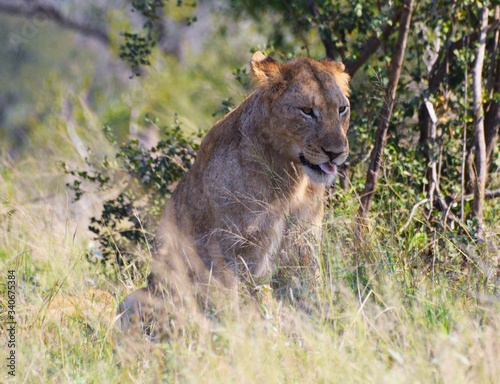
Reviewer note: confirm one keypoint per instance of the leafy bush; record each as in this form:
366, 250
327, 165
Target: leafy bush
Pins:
137, 47
146, 178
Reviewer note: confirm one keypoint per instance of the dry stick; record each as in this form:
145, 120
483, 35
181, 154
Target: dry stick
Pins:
386, 112
480, 156
423, 201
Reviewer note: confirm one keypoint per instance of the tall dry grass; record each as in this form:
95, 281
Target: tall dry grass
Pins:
385, 311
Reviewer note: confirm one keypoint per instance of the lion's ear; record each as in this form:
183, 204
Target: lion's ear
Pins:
265, 69
332, 64
337, 69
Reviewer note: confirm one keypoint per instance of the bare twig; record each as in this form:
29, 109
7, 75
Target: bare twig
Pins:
412, 213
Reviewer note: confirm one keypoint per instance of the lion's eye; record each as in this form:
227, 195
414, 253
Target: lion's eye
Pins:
308, 111
342, 109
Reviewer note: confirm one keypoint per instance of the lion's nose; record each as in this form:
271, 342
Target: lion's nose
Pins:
332, 155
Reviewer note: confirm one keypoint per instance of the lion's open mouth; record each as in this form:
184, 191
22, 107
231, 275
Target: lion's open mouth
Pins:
328, 167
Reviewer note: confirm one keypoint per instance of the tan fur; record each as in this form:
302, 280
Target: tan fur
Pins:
230, 218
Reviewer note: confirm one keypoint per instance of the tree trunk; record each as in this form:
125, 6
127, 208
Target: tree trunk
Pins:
492, 118
491, 114
386, 112
477, 92
438, 72
492, 110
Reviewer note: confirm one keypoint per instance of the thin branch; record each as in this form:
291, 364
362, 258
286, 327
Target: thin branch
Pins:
386, 111
412, 213
487, 195
446, 208
372, 44
34, 8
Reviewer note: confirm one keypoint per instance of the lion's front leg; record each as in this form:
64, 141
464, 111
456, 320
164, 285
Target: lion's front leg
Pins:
298, 267
300, 245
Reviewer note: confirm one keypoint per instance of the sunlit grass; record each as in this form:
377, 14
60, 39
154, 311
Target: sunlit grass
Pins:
381, 311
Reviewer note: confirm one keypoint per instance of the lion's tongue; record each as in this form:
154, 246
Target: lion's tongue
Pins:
329, 168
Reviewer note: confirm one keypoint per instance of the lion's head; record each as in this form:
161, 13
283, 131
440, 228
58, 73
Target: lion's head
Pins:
309, 111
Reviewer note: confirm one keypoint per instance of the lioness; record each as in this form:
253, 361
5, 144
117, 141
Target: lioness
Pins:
260, 171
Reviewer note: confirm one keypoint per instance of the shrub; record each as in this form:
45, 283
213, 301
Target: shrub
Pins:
146, 178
